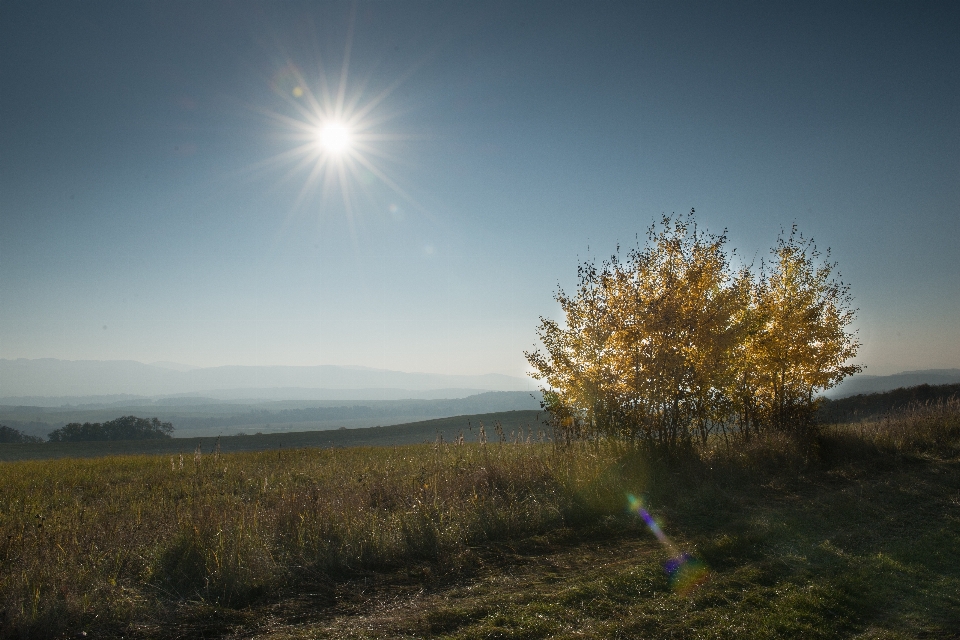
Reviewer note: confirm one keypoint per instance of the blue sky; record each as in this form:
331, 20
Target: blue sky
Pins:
147, 210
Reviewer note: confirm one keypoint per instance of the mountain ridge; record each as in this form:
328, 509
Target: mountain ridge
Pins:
76, 378
866, 383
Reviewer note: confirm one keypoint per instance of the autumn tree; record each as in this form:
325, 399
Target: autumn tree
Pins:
802, 344
581, 384
643, 352
669, 344
676, 311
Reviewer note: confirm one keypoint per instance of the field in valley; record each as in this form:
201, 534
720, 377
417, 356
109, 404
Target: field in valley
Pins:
856, 534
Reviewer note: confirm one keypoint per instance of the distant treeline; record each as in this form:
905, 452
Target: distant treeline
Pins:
10, 435
871, 405
34, 428
125, 428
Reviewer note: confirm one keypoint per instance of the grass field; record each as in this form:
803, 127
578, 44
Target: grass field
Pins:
856, 536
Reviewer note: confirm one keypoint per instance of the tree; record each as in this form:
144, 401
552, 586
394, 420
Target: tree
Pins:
125, 428
577, 365
678, 310
9, 435
643, 354
671, 344
802, 343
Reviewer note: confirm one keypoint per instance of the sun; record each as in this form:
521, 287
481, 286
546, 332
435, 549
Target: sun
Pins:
334, 138
337, 137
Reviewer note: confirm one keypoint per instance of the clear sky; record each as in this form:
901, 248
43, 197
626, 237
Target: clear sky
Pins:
161, 199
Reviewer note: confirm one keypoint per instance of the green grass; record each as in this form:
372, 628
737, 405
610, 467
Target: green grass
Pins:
860, 551
857, 537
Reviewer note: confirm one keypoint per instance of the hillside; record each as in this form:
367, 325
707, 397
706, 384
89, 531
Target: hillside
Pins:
871, 405
865, 383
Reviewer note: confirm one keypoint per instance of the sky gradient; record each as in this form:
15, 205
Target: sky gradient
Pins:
151, 207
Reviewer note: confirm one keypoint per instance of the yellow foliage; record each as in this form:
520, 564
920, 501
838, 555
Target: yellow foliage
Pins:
802, 344
670, 345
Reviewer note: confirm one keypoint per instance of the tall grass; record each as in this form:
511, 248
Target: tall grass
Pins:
928, 427
107, 541
113, 543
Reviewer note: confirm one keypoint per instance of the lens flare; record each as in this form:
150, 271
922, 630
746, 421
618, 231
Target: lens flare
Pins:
686, 573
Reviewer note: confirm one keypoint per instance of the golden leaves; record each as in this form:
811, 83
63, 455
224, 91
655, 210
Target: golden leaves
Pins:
670, 344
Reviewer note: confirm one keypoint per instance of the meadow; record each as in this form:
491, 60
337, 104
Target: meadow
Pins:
855, 533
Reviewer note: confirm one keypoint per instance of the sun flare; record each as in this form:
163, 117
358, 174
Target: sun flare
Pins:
337, 135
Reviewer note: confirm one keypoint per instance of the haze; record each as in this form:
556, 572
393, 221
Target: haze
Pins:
171, 189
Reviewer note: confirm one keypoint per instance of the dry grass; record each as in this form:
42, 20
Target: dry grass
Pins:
103, 542
919, 427
141, 545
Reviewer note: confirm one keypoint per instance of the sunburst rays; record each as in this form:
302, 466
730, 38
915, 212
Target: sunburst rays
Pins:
336, 132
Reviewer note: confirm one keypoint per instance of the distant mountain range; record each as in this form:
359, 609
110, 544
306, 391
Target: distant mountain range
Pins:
876, 384
24, 379
52, 382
